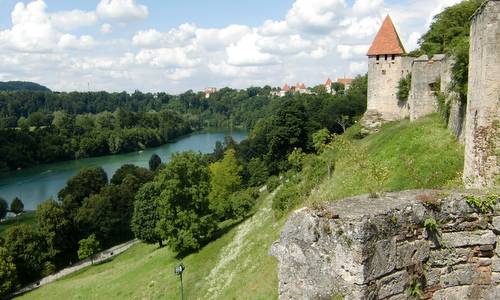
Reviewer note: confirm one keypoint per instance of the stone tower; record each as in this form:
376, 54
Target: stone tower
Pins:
387, 64
482, 133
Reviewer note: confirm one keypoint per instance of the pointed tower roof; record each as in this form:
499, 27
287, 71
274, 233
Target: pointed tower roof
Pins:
387, 40
328, 82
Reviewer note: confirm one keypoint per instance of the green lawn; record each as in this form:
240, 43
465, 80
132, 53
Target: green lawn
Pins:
235, 266
27, 217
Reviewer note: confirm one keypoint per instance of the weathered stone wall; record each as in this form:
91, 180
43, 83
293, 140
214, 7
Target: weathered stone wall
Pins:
456, 120
425, 74
482, 124
364, 248
383, 80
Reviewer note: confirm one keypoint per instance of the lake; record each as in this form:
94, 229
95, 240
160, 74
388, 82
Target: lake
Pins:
36, 184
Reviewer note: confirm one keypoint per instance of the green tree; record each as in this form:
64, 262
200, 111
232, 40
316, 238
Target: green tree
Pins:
8, 274
296, 158
225, 179
320, 138
88, 247
154, 162
96, 215
28, 249
338, 87
145, 215
17, 206
55, 228
258, 172
4, 207
23, 124
242, 203
38, 119
186, 222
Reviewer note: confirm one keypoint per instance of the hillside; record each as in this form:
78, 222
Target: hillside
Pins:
22, 86
237, 265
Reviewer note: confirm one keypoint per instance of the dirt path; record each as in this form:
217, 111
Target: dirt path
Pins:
101, 256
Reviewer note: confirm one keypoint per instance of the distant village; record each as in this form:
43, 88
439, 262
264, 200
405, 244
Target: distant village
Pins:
300, 88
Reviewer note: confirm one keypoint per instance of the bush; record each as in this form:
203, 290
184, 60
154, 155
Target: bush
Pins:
272, 183
242, 203
17, 206
404, 88
286, 198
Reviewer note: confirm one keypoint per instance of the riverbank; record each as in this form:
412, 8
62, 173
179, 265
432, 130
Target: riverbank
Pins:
36, 184
27, 217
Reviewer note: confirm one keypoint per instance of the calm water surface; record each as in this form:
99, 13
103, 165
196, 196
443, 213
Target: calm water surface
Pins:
33, 185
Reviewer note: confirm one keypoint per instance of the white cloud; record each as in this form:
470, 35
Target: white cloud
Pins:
358, 67
167, 58
289, 44
106, 28
180, 74
350, 51
246, 53
153, 38
412, 41
315, 16
121, 10
69, 41
68, 20
362, 7
212, 39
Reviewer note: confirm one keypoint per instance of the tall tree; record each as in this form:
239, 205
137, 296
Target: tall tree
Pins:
4, 207
16, 206
145, 215
225, 179
88, 247
186, 221
154, 162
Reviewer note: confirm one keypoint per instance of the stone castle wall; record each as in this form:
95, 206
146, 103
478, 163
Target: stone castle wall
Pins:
482, 136
363, 248
425, 74
383, 80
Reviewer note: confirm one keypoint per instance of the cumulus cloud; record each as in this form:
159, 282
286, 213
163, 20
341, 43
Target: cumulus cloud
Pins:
316, 39
68, 20
106, 28
121, 10
246, 53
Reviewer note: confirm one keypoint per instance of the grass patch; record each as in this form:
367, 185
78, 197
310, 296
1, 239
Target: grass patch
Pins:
235, 266
409, 155
27, 217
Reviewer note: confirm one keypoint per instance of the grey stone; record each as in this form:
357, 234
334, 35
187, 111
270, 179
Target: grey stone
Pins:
392, 284
433, 276
453, 293
495, 264
468, 238
497, 249
496, 223
408, 254
458, 275
449, 256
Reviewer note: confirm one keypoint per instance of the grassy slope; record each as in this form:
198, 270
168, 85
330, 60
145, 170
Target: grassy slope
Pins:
237, 266
421, 154
28, 217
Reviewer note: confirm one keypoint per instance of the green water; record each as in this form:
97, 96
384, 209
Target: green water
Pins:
36, 184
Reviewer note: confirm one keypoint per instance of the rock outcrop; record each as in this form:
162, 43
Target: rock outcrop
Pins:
435, 244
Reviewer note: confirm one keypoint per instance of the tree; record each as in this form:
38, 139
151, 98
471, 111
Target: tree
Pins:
96, 216
142, 174
87, 182
320, 139
3, 208
23, 124
16, 206
338, 87
186, 221
38, 119
241, 203
55, 228
225, 179
154, 162
258, 172
343, 121
28, 249
88, 247
145, 215
8, 274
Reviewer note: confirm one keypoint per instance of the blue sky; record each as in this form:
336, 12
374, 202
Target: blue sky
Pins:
174, 46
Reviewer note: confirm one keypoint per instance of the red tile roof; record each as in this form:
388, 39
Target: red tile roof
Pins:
286, 88
300, 86
328, 82
387, 40
345, 81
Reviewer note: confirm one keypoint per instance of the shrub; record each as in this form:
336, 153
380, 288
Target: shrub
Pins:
286, 198
404, 88
431, 224
242, 203
272, 183
17, 206
483, 204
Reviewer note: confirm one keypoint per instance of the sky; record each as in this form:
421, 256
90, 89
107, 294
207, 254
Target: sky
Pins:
173, 46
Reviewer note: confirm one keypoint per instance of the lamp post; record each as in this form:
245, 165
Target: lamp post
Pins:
178, 271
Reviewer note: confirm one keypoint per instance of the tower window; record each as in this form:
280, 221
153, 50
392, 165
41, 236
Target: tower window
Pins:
386, 57
393, 57
378, 57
